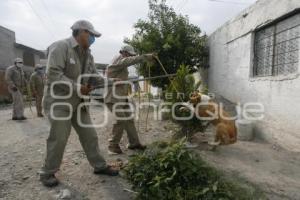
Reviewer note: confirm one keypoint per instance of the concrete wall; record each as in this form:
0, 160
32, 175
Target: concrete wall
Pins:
231, 55
7, 39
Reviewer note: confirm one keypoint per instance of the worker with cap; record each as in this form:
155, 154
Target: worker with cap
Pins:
67, 60
117, 101
37, 80
15, 79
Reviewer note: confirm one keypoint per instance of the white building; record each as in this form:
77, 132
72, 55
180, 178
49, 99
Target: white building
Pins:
255, 58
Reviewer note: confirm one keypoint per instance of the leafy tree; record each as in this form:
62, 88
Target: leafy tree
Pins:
173, 37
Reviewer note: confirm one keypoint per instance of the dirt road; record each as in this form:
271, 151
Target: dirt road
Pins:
22, 147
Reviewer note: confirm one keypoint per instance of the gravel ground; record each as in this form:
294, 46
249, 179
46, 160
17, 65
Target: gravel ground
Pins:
22, 151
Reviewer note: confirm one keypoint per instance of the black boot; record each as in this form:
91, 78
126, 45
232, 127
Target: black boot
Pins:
49, 180
114, 149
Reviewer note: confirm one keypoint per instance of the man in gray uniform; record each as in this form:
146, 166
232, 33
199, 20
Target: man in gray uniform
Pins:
37, 80
119, 69
15, 78
67, 60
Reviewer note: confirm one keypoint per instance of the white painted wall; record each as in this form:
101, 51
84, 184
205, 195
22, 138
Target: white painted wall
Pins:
231, 51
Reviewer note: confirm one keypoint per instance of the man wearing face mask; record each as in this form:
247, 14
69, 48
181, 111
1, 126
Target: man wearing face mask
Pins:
15, 78
119, 69
67, 60
37, 87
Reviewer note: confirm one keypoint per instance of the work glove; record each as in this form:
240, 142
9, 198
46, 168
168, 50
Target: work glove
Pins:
150, 56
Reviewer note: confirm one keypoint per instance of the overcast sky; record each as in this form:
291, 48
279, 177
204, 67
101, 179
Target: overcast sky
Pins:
38, 23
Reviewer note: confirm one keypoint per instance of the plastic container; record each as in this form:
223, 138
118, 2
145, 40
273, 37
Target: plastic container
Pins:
244, 129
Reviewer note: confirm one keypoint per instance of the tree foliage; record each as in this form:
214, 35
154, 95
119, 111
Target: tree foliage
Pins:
173, 37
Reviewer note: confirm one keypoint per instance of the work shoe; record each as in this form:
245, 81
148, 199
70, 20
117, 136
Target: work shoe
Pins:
40, 115
19, 118
49, 180
136, 147
22, 118
114, 149
107, 171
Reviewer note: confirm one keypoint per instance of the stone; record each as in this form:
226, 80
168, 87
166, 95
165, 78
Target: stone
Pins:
65, 194
103, 181
25, 177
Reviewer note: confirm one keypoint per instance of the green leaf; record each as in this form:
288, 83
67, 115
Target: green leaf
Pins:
215, 186
205, 190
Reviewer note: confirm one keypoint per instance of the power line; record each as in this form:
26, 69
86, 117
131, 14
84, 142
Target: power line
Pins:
184, 2
40, 18
230, 2
48, 13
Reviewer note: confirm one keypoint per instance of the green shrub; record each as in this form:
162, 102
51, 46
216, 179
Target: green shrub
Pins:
171, 172
183, 85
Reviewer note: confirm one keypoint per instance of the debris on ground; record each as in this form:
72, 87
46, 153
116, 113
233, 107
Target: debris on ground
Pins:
171, 172
64, 194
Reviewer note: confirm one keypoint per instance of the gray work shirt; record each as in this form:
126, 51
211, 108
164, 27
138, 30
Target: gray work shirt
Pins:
15, 77
66, 62
119, 69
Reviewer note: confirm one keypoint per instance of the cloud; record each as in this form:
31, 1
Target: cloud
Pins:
113, 18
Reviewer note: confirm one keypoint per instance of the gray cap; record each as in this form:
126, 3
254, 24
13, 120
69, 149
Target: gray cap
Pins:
129, 49
18, 60
85, 25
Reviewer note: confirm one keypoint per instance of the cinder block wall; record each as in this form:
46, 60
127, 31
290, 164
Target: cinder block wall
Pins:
229, 75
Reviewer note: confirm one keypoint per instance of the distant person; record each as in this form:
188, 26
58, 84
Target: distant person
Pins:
119, 69
37, 80
67, 60
15, 78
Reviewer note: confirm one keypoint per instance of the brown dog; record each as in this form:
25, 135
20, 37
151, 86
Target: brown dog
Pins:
226, 132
